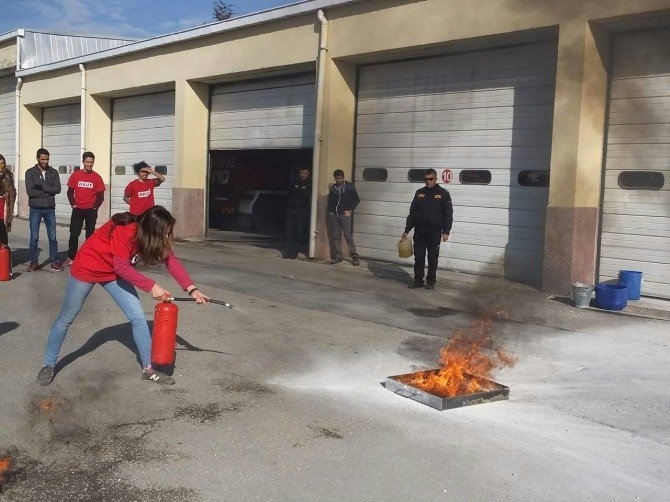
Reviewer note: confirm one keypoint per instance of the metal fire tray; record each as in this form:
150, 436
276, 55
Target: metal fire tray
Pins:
441, 403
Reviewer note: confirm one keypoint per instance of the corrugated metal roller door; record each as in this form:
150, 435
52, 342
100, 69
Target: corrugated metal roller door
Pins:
489, 112
8, 119
61, 135
142, 129
273, 113
636, 203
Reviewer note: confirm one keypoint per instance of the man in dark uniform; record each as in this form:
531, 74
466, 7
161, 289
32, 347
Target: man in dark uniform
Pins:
431, 216
297, 214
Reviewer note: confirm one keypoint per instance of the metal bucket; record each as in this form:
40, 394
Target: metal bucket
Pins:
581, 294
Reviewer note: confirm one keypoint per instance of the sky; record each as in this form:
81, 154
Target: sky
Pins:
124, 18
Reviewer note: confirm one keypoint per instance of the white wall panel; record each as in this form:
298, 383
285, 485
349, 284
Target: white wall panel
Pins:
8, 119
488, 110
273, 113
61, 135
142, 129
635, 231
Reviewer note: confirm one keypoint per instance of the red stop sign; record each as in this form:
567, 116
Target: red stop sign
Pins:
447, 175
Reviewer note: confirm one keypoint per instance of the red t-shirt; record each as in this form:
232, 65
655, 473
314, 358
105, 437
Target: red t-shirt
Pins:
95, 258
105, 256
86, 187
141, 195
2, 208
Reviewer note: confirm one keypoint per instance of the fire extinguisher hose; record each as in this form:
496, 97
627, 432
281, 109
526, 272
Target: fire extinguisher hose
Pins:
216, 302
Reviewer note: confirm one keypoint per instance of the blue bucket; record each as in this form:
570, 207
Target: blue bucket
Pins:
633, 281
611, 296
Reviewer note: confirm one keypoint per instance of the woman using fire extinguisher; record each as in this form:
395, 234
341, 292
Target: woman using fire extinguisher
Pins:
107, 258
7, 198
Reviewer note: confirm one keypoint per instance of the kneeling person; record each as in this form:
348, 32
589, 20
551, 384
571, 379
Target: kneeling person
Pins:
86, 192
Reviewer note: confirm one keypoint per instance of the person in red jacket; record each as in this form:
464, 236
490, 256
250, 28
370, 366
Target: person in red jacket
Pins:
86, 192
7, 198
107, 259
139, 193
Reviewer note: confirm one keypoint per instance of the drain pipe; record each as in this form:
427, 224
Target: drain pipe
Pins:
17, 142
82, 120
316, 164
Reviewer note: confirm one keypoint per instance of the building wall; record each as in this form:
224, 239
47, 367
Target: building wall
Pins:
383, 30
8, 55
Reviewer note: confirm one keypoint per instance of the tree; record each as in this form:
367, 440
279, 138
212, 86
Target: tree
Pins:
222, 10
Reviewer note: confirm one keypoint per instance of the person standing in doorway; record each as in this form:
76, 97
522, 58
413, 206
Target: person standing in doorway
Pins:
42, 186
342, 200
7, 198
297, 214
431, 217
86, 192
139, 193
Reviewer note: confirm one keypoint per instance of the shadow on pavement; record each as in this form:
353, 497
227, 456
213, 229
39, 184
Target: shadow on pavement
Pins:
192, 348
121, 333
435, 312
6, 327
390, 271
20, 256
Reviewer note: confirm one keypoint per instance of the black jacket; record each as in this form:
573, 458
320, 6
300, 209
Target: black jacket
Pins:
343, 198
300, 194
431, 210
42, 189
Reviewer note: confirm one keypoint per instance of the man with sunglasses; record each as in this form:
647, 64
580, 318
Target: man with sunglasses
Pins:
431, 216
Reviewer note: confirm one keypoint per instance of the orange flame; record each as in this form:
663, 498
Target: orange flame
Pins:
5, 465
468, 360
48, 406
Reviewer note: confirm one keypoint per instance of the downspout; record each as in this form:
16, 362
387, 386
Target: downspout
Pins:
316, 164
82, 120
17, 142
17, 120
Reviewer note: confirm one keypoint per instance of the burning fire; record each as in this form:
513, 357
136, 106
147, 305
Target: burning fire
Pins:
48, 406
469, 357
5, 466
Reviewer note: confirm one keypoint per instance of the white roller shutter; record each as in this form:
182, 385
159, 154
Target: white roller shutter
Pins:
61, 135
142, 129
274, 113
8, 119
489, 110
636, 222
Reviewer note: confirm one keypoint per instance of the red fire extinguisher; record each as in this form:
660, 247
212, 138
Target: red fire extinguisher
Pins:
164, 338
5, 263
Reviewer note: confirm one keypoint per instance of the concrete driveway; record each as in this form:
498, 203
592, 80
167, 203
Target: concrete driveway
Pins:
281, 399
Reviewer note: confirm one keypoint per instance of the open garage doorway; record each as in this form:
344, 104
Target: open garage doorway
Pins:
248, 193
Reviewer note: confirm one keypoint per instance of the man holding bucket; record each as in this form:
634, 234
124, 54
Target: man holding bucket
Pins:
431, 216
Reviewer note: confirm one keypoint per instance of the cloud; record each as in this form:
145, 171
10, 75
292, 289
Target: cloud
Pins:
97, 17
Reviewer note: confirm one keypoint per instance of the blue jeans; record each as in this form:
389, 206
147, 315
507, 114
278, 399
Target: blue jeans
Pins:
49, 216
124, 295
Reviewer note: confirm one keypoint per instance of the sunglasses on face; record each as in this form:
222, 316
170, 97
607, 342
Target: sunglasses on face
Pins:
429, 179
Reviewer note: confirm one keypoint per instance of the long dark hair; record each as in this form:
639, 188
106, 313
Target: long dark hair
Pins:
6, 169
154, 236
5, 174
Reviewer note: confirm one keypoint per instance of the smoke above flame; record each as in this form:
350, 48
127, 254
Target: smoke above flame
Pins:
468, 361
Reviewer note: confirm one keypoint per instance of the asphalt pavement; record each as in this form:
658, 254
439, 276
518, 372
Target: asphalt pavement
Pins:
282, 397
